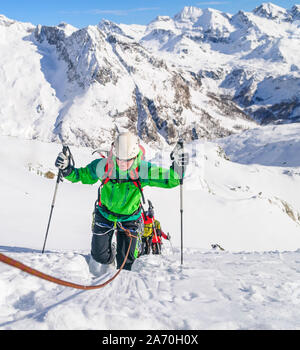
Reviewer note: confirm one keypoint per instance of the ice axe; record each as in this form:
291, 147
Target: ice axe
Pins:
66, 151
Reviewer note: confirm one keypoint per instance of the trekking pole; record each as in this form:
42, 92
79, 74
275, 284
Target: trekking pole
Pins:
181, 217
180, 144
171, 245
59, 177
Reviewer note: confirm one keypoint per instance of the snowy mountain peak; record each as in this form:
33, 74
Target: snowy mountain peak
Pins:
295, 11
188, 13
110, 27
4, 21
270, 11
162, 19
213, 19
164, 23
68, 29
18, 26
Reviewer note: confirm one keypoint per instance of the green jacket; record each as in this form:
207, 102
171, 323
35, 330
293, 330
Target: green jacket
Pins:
124, 198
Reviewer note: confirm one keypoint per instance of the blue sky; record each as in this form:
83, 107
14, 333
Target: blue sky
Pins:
81, 13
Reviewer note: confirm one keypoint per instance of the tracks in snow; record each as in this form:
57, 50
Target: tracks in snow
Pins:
211, 290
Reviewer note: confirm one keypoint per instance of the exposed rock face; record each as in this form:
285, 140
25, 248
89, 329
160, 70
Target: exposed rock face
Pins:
150, 97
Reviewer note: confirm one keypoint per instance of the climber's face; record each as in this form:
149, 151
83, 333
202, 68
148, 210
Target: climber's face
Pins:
124, 164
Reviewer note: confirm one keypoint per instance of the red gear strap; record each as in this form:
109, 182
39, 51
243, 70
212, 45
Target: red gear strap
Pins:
134, 174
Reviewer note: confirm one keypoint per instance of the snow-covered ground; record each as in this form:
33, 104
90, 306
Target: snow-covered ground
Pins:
251, 210
211, 291
271, 145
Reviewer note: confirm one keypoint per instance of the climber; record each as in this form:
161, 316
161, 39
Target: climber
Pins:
148, 233
156, 243
123, 175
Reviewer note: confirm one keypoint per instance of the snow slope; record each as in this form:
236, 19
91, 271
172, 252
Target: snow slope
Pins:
251, 210
276, 145
212, 291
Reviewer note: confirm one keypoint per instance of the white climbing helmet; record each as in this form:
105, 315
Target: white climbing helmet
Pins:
126, 146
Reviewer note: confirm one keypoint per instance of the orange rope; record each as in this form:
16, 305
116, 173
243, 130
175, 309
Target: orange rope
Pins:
12, 262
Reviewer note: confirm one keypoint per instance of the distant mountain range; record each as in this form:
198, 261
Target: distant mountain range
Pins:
201, 74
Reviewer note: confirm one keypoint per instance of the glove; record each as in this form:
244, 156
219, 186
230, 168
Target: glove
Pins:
180, 159
150, 213
168, 236
63, 163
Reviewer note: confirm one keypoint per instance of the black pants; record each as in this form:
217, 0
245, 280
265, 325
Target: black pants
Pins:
103, 231
156, 248
146, 245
